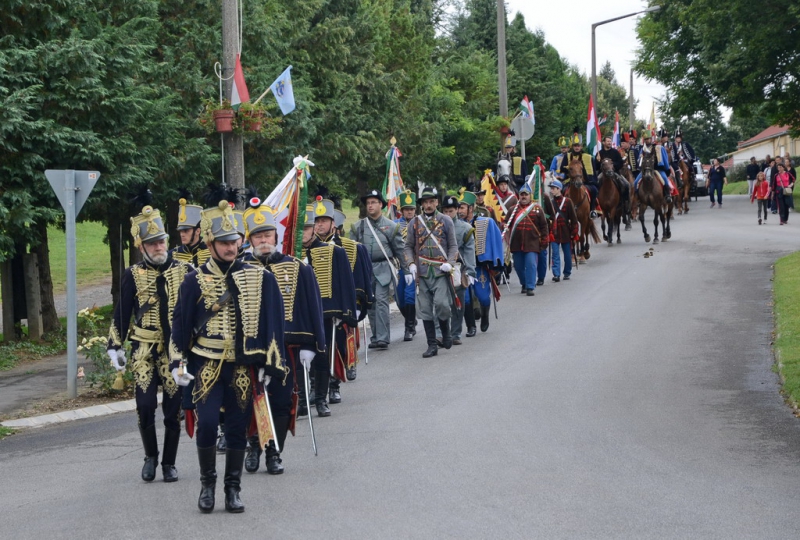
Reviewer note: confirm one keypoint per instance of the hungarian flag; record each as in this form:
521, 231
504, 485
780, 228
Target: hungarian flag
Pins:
288, 201
652, 123
239, 93
592, 130
393, 184
615, 136
526, 108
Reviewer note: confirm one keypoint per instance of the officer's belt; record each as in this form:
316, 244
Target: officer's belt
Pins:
432, 262
220, 349
143, 335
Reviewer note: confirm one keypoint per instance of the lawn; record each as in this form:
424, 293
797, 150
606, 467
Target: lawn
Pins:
735, 188
787, 324
93, 260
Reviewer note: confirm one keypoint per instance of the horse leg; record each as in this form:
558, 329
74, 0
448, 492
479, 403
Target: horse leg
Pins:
641, 220
603, 226
655, 225
667, 233
619, 226
610, 237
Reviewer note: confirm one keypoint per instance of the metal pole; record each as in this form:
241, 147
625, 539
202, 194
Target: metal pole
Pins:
594, 71
233, 151
501, 57
631, 112
72, 301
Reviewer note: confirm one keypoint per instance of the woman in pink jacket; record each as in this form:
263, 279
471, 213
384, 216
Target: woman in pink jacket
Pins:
784, 182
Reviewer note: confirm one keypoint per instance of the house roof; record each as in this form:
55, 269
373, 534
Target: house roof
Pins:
769, 133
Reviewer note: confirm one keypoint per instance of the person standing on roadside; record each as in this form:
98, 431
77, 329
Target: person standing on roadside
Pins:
784, 183
773, 174
752, 171
761, 192
716, 180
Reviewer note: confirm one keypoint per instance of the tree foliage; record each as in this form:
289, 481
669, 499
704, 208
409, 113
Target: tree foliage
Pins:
711, 53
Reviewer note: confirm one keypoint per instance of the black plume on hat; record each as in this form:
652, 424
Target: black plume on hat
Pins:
142, 197
184, 193
214, 194
252, 199
322, 191
233, 195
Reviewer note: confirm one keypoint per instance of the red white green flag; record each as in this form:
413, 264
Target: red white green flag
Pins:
592, 130
239, 93
393, 183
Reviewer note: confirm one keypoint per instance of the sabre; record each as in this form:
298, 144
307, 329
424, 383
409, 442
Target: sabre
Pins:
271, 421
308, 408
333, 342
366, 348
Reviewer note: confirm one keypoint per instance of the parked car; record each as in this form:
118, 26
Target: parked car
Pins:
698, 188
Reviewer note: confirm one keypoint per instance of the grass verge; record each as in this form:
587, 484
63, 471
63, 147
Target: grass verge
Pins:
5, 431
787, 324
92, 257
735, 188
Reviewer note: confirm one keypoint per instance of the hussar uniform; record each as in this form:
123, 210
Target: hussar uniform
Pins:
304, 337
661, 165
431, 251
558, 160
682, 152
189, 218
489, 261
148, 293
587, 169
228, 324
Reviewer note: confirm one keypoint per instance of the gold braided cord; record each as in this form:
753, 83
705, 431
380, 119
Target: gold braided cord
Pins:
182, 256
481, 226
322, 263
242, 385
351, 248
206, 379
174, 277
142, 367
286, 274
249, 282
113, 335
144, 279
167, 382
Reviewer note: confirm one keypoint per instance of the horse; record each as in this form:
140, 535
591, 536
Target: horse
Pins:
627, 174
686, 176
611, 202
580, 198
504, 168
651, 194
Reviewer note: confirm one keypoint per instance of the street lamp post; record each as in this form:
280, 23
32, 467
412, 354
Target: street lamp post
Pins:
594, 57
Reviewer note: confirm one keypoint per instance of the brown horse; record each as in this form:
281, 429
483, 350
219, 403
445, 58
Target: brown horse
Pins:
627, 174
687, 179
580, 198
651, 193
611, 201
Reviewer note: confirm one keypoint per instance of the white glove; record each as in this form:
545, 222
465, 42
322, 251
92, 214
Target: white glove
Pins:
446, 268
412, 269
306, 357
182, 380
358, 314
409, 280
117, 359
263, 377
471, 280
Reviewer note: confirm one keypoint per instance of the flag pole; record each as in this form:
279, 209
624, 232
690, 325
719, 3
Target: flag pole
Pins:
262, 95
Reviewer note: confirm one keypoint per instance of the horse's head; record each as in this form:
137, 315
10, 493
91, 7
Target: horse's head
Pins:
575, 169
607, 168
503, 168
648, 161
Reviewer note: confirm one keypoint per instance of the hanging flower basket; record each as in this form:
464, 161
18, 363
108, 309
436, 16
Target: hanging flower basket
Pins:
252, 120
223, 120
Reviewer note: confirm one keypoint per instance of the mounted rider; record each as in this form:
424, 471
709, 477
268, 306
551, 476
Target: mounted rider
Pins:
587, 166
629, 149
664, 135
558, 159
682, 151
661, 163
613, 154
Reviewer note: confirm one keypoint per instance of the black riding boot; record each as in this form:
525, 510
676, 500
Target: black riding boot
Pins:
469, 318
208, 478
335, 395
430, 335
321, 383
168, 470
150, 444
274, 461
253, 457
484, 318
447, 337
233, 476
411, 322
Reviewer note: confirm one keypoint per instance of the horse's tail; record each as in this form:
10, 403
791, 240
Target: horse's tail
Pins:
592, 230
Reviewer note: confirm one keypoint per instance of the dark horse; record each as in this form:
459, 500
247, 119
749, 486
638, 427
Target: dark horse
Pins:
611, 201
651, 193
580, 198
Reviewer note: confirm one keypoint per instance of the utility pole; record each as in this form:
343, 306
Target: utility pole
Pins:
501, 58
631, 113
232, 142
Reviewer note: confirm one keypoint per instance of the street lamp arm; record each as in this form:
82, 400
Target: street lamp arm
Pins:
648, 10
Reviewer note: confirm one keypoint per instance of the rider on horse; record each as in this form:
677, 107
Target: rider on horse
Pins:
670, 148
682, 151
613, 154
560, 159
661, 163
630, 152
587, 164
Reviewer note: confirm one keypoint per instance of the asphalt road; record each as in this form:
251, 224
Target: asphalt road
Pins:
634, 401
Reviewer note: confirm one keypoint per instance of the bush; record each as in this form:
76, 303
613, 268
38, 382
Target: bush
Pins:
94, 348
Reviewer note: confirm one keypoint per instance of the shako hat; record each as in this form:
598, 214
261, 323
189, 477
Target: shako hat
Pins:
188, 215
147, 227
217, 223
408, 199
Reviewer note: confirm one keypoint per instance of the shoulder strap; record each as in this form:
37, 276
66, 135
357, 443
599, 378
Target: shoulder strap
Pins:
435, 240
380, 245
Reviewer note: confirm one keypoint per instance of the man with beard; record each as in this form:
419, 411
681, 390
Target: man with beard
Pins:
228, 324
303, 332
148, 293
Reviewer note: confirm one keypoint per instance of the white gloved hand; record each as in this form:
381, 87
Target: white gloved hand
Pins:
117, 359
182, 380
412, 269
358, 314
409, 279
446, 268
263, 377
306, 357
471, 280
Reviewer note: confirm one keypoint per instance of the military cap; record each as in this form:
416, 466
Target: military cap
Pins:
563, 141
375, 194
147, 227
188, 215
323, 208
217, 223
408, 199
428, 193
466, 197
339, 218
451, 202
257, 219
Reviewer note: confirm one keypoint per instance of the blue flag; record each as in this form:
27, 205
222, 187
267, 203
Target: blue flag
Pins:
283, 92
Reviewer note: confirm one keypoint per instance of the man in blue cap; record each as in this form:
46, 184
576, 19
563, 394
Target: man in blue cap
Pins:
563, 231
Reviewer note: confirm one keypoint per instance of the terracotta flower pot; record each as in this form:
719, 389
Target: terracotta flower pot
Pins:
224, 120
251, 121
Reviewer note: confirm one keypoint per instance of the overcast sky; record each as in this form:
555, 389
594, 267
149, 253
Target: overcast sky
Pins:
568, 27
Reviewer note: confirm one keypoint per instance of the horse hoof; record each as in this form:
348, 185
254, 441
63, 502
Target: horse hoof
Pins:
655, 241
646, 238
610, 243
587, 255
619, 240
627, 227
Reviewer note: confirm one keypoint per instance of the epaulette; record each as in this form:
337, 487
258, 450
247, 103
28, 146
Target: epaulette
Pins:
322, 263
351, 248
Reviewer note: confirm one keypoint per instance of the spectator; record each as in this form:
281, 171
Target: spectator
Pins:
716, 179
767, 163
784, 184
761, 192
773, 173
752, 171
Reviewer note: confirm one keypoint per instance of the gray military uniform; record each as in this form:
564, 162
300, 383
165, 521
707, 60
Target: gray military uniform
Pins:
433, 298
390, 237
465, 237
